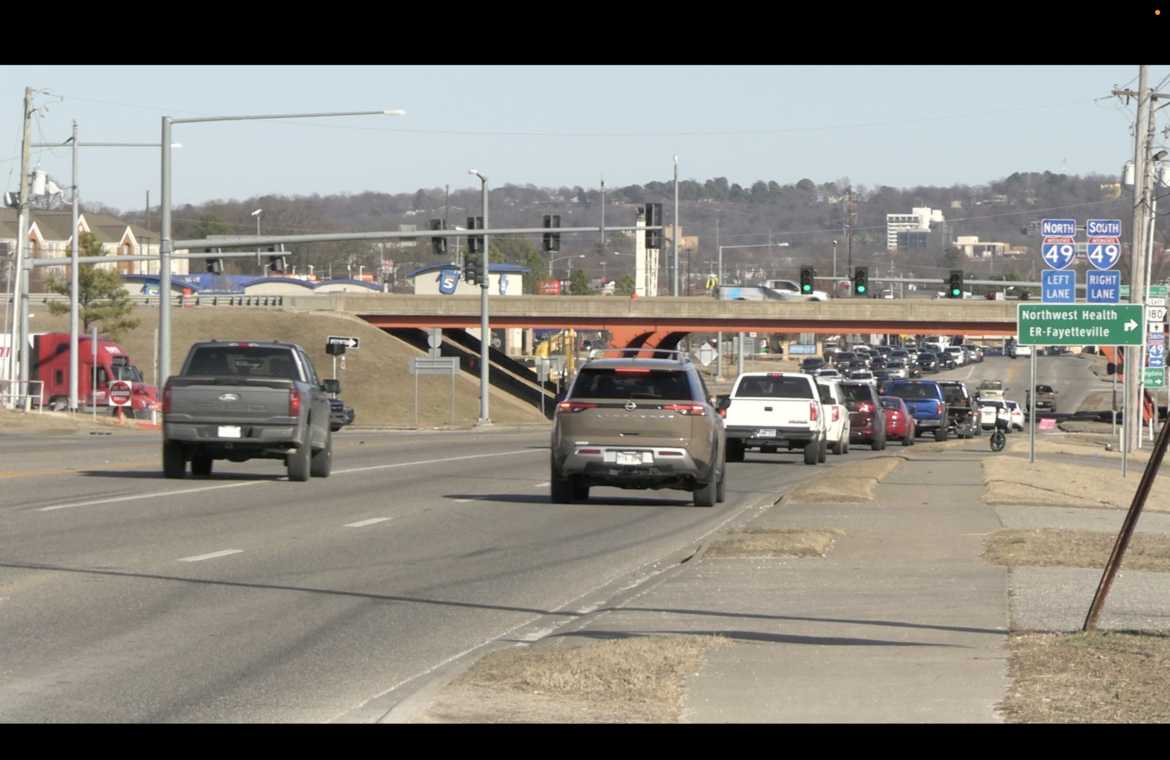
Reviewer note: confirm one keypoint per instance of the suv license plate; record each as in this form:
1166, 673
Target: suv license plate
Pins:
229, 431
629, 457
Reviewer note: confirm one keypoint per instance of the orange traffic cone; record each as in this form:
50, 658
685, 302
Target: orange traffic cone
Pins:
121, 416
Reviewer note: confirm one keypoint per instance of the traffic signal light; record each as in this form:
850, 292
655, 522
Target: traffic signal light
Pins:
552, 240
808, 277
474, 273
955, 284
475, 242
277, 264
214, 266
438, 244
991, 295
861, 281
653, 219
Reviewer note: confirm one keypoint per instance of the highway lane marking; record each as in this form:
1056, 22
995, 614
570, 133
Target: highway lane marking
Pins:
164, 494
371, 521
33, 473
542, 485
213, 555
154, 495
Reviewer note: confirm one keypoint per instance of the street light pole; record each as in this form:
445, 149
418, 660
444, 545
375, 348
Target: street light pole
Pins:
167, 239
719, 278
485, 336
674, 244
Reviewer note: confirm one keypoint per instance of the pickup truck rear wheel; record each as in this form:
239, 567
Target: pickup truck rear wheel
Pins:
823, 448
940, 435
174, 465
735, 450
812, 452
322, 463
299, 463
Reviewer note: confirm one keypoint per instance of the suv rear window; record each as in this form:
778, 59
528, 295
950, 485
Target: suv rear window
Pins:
626, 384
857, 392
775, 387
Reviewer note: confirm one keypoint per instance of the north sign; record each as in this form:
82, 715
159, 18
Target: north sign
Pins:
1058, 227
1080, 324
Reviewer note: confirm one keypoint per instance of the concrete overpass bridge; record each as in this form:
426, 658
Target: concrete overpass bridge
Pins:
662, 322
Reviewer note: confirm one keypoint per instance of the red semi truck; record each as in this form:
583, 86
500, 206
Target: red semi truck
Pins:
50, 364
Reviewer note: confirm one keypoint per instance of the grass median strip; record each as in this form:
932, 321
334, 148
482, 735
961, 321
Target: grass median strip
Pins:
1014, 480
1101, 677
1016, 547
773, 542
631, 680
848, 483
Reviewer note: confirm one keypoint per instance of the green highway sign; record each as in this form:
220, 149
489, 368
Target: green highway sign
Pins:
1154, 377
1080, 324
1157, 291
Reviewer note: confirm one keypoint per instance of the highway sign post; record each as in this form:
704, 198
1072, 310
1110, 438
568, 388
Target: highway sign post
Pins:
1079, 324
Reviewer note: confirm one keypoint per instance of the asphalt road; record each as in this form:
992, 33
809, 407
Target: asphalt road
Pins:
243, 597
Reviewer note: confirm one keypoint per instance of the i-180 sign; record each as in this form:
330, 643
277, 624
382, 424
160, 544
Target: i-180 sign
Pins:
1080, 324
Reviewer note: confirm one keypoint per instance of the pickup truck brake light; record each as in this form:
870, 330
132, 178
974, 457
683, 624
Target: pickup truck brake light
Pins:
294, 403
166, 405
836, 413
940, 409
812, 411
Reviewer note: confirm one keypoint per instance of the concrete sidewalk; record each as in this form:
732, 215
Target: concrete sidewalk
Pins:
901, 621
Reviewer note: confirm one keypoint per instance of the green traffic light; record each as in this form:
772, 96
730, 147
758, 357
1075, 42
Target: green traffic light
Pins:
860, 288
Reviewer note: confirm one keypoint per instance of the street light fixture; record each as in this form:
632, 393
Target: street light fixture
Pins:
167, 241
485, 336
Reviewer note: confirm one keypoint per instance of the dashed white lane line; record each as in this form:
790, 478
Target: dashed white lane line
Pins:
542, 485
371, 521
165, 494
213, 555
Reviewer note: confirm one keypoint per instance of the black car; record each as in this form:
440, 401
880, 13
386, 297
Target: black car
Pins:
812, 365
340, 415
927, 362
946, 360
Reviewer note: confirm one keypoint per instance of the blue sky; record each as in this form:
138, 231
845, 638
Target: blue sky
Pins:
564, 126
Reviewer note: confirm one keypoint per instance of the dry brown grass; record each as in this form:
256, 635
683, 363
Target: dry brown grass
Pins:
376, 381
634, 680
1014, 480
848, 483
1088, 678
773, 542
1014, 547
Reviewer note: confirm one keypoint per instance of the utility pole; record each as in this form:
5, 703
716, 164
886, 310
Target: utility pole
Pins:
674, 242
1141, 206
23, 267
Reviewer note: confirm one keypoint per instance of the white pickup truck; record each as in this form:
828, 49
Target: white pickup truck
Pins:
770, 410
771, 290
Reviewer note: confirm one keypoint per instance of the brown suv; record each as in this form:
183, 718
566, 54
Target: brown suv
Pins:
634, 422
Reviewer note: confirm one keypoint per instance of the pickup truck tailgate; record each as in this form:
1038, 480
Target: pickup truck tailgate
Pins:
229, 400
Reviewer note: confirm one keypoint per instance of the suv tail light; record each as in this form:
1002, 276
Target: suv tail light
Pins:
574, 406
166, 405
294, 403
687, 408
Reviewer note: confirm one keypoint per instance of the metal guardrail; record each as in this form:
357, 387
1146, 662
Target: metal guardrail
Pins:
12, 397
180, 300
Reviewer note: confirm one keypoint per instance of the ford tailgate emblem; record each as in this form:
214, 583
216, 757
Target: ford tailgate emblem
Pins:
631, 406
229, 397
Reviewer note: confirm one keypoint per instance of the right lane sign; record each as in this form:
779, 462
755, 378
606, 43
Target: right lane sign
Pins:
1080, 324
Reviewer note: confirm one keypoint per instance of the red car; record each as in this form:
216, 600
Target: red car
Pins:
899, 421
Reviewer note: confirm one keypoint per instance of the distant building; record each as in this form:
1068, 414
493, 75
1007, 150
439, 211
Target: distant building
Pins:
49, 237
973, 249
918, 230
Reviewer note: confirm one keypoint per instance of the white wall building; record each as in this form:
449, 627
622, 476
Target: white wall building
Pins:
918, 220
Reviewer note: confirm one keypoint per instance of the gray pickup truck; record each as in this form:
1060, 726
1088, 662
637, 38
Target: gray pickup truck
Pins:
241, 400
